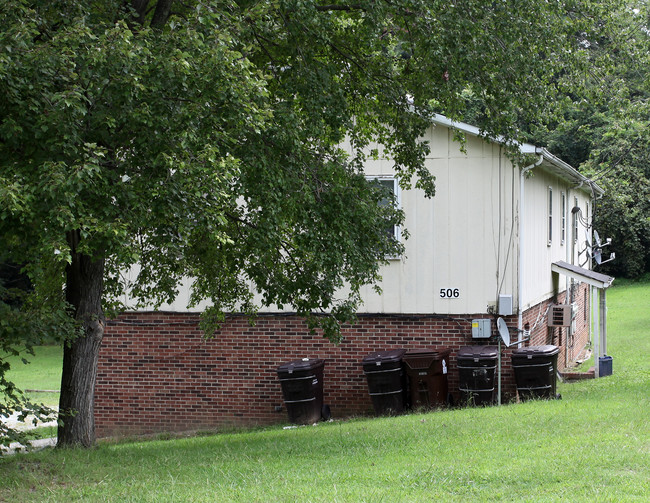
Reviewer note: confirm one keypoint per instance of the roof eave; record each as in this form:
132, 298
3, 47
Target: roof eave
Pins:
570, 173
557, 165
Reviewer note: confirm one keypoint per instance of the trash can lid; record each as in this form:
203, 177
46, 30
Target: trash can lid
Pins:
546, 350
303, 364
481, 352
436, 353
379, 357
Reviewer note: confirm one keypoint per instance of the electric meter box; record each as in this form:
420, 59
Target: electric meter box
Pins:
505, 305
481, 329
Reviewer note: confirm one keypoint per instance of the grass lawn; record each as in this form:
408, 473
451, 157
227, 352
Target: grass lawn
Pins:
43, 373
593, 445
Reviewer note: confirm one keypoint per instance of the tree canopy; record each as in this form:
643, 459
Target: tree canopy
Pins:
203, 139
604, 131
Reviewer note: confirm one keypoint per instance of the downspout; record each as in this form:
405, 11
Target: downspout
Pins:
520, 278
569, 282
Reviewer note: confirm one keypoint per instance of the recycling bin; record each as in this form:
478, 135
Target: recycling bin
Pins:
535, 371
302, 389
476, 370
604, 366
426, 372
386, 381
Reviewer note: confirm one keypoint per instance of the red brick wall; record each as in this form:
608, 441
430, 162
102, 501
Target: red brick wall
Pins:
156, 372
571, 345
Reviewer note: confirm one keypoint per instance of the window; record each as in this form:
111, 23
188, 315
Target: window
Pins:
391, 184
550, 215
563, 219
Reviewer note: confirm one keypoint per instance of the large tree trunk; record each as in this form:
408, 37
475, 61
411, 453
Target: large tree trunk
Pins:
84, 288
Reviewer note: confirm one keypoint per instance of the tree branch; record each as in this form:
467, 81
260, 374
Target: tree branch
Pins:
346, 8
140, 7
162, 12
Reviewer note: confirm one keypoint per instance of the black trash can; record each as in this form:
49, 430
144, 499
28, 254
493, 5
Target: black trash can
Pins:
476, 370
535, 371
386, 381
302, 388
426, 372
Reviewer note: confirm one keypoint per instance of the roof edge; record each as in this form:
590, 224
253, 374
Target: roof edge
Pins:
588, 276
570, 173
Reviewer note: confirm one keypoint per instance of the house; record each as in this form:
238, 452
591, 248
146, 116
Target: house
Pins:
497, 240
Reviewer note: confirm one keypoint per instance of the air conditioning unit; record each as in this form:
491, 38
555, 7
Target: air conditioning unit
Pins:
560, 315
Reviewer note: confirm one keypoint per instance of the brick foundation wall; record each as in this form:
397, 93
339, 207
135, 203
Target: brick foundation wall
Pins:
571, 345
156, 373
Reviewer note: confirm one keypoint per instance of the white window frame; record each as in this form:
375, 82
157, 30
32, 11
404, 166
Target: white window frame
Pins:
397, 231
563, 218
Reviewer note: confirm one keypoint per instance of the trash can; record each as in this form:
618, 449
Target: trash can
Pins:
604, 366
535, 371
302, 388
476, 369
427, 377
386, 381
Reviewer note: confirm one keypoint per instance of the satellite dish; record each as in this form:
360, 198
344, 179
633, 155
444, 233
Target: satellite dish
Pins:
587, 240
597, 239
503, 331
598, 256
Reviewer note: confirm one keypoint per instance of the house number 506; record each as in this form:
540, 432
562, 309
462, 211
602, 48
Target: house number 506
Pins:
449, 293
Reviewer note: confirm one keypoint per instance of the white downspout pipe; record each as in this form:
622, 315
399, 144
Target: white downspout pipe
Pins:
520, 275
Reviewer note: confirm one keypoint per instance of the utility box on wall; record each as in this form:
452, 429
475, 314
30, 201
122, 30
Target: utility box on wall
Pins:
505, 305
481, 329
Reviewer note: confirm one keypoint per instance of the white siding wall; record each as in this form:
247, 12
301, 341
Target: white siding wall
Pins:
461, 240
538, 255
466, 238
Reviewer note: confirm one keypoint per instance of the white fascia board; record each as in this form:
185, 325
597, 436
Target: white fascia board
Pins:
524, 148
461, 126
569, 172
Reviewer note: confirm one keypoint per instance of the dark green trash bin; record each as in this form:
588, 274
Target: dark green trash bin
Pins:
302, 388
386, 381
476, 370
535, 371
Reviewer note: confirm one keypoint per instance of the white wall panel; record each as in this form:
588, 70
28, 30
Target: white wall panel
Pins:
456, 241
465, 239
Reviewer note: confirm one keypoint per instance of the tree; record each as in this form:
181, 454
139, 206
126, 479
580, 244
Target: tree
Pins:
604, 131
203, 140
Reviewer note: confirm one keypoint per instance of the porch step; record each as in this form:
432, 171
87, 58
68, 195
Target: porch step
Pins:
569, 375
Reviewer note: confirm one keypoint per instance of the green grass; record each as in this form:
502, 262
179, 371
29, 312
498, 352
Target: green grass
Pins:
593, 445
41, 432
42, 373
